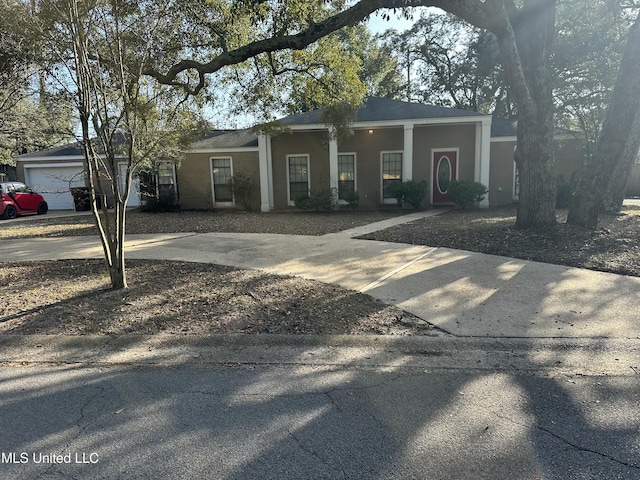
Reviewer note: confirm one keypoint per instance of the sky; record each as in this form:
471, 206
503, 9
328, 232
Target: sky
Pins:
378, 25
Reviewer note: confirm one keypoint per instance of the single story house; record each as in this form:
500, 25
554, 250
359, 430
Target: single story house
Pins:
392, 141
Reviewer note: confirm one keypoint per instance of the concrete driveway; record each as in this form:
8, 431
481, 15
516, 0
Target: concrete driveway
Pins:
463, 293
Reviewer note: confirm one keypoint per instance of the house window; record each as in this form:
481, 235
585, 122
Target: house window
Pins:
346, 175
166, 173
167, 181
222, 173
391, 172
298, 169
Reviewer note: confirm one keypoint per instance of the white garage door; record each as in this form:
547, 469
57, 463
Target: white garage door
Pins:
53, 183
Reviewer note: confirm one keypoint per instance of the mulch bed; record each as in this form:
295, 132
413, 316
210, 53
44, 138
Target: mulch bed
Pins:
613, 247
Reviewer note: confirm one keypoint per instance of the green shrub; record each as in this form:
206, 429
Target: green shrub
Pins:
303, 202
166, 203
318, 200
409, 192
245, 190
466, 192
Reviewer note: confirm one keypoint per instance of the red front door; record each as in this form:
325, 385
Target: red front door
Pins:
445, 169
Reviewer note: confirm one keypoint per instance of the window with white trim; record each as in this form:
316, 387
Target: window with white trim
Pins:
222, 173
166, 173
298, 176
391, 172
346, 175
167, 180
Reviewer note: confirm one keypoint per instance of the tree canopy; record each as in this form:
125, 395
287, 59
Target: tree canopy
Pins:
449, 62
33, 115
263, 52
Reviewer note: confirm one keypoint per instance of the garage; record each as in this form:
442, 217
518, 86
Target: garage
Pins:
53, 182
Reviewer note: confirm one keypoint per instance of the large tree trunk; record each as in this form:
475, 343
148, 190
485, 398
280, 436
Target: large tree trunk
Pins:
535, 163
606, 175
617, 185
525, 36
526, 62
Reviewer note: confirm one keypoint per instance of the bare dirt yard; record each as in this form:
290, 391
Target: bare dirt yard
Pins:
73, 297
613, 247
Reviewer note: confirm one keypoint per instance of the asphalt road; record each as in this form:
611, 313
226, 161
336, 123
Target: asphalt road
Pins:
556, 397
314, 421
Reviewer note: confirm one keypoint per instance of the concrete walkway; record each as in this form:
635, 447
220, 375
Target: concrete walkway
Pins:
464, 293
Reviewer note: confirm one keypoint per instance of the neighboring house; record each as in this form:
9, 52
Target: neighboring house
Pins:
392, 141
54, 171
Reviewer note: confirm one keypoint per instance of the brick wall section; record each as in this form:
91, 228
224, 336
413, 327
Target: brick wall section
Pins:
501, 173
569, 159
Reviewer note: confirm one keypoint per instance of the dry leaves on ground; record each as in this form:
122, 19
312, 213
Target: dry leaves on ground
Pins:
73, 297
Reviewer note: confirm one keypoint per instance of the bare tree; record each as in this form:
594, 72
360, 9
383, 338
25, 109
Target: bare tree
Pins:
127, 121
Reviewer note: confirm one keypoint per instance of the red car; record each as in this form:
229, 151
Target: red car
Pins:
17, 199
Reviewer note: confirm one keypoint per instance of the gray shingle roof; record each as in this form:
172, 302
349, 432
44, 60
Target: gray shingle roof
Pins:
71, 149
385, 109
220, 139
503, 127
374, 110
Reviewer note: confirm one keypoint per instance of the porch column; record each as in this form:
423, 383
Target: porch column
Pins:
483, 156
407, 157
333, 165
266, 176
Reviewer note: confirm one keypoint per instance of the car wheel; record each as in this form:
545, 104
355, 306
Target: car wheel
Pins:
10, 212
43, 208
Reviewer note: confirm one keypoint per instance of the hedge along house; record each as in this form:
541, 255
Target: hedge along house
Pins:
392, 141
